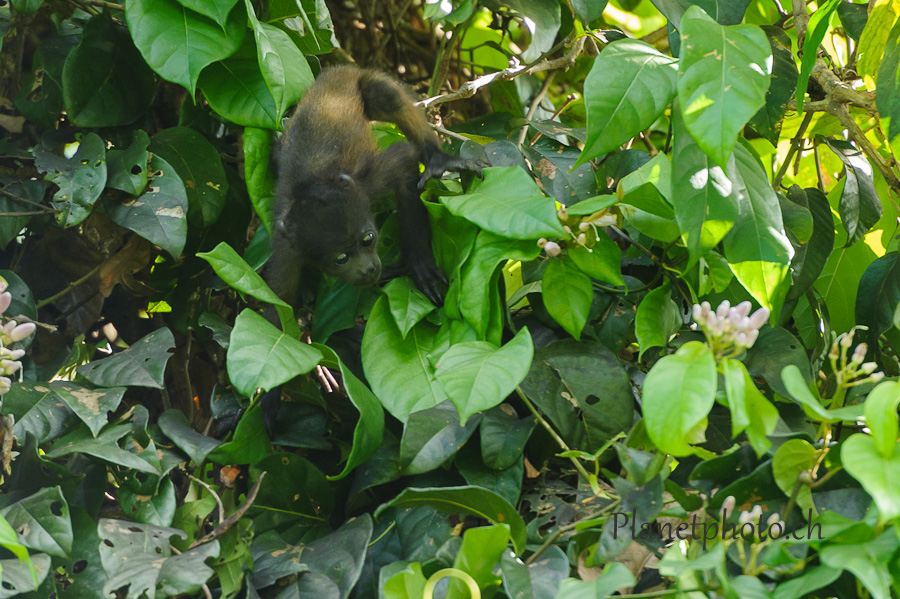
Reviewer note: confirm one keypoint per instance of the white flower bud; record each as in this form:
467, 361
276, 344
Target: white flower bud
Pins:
15, 354
5, 301
745, 517
846, 340
582, 239
876, 377
5, 384
607, 220
3, 285
859, 354
705, 307
697, 312
759, 318
9, 366
752, 335
728, 505
552, 248
23, 330
743, 308
741, 340
584, 226
567, 229
542, 242
722, 310
869, 367
773, 519
562, 214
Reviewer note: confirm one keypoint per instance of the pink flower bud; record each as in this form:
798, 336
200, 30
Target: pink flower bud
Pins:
752, 335
15, 354
23, 330
697, 312
3, 285
722, 310
552, 248
5, 301
859, 354
743, 308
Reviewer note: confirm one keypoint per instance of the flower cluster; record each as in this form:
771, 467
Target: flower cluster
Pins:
846, 371
9, 334
583, 224
729, 329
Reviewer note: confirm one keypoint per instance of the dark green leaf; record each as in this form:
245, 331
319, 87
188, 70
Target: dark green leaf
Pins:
805, 584
37, 412
42, 521
81, 179
176, 427
105, 81
32, 190
128, 167
91, 405
853, 18
537, 580
553, 163
879, 294
105, 447
308, 22
160, 215
293, 491
433, 436
480, 503
567, 294
198, 164
141, 365
810, 257
236, 89
503, 436
217, 10
258, 172
657, 319
157, 509
603, 262
860, 206
774, 349
767, 121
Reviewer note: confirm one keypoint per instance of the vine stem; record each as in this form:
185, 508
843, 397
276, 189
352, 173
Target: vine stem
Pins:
72, 286
559, 440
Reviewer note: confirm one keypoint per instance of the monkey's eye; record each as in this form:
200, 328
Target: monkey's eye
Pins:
368, 239
342, 259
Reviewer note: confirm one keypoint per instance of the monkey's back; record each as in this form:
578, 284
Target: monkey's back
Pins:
329, 133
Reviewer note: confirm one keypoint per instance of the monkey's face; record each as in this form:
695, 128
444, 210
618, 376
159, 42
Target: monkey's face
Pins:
356, 262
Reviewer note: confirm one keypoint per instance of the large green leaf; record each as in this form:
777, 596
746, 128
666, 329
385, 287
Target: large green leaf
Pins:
261, 356
881, 416
799, 390
398, 368
199, 165
794, 458
810, 258
141, 365
767, 121
509, 204
122, 164
629, 86
869, 562
81, 178
724, 77
258, 173
860, 206
879, 294
105, 447
478, 555
140, 557
236, 89
159, 215
43, 522
433, 436
178, 43
176, 427
756, 247
217, 10
657, 319
308, 22
238, 274
369, 431
704, 197
90, 405
874, 38
106, 83
887, 94
478, 376
408, 304
538, 579
679, 392
283, 66
474, 501
37, 411
567, 294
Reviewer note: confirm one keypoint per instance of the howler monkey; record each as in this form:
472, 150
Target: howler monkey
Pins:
329, 172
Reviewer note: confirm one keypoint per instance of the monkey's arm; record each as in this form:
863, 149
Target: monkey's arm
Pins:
385, 99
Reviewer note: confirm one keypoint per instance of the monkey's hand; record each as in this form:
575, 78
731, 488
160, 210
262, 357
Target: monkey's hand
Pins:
425, 274
438, 162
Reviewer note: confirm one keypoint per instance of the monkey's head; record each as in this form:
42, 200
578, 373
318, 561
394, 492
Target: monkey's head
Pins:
331, 224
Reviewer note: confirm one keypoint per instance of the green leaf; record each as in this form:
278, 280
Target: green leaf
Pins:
258, 173
478, 555
105, 81
774, 349
19, 578
867, 562
176, 427
798, 389
793, 458
81, 178
473, 501
657, 319
308, 22
879, 294
874, 38
805, 584
629, 86
881, 416
90, 405
26, 7
853, 18
503, 436
679, 392
261, 356
615, 577
105, 447
250, 443
509, 204
406, 583
567, 294
554, 164
408, 305
199, 165
283, 66
369, 431
140, 557
756, 247
42, 521
860, 207
122, 164
37, 411
704, 197
603, 262
236, 89
818, 26
433, 436
157, 509
232, 269
538, 579
9, 540
178, 43
724, 75
397, 368
160, 215
141, 365
478, 376
217, 10
810, 258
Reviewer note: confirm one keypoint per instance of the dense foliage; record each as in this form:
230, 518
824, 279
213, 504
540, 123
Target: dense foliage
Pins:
666, 364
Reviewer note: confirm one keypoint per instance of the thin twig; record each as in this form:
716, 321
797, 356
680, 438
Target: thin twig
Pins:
105, 4
796, 144
72, 287
215, 495
44, 209
532, 109
469, 88
231, 520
